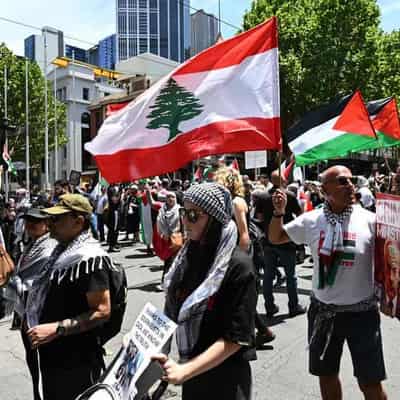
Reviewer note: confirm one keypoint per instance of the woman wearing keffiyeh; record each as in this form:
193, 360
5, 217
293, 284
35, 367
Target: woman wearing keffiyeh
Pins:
29, 266
211, 295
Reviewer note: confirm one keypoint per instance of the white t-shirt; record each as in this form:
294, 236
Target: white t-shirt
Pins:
354, 280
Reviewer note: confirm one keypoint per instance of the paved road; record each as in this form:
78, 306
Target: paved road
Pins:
280, 373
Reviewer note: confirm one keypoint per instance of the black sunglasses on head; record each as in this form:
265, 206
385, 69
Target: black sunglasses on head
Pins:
190, 214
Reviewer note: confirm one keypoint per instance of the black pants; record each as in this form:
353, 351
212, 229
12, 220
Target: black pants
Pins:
67, 383
112, 237
32, 360
100, 227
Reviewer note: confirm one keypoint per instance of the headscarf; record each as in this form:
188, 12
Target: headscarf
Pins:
216, 201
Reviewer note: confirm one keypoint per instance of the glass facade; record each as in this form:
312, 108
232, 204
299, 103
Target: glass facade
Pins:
108, 52
75, 53
160, 27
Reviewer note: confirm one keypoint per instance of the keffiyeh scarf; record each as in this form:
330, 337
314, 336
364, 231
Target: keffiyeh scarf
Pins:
331, 251
168, 220
83, 255
190, 314
30, 265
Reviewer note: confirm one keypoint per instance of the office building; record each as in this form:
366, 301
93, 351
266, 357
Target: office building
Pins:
50, 38
107, 52
161, 27
75, 53
205, 29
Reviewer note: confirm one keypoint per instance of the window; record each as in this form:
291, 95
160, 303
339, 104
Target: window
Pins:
85, 94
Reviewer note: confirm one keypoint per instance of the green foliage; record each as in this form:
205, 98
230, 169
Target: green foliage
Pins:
16, 108
329, 48
173, 105
388, 74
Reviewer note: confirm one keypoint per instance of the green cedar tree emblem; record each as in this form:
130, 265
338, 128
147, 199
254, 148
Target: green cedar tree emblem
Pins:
173, 105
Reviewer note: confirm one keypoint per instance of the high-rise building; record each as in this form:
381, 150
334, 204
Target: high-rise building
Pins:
107, 52
50, 38
92, 55
161, 27
76, 53
205, 29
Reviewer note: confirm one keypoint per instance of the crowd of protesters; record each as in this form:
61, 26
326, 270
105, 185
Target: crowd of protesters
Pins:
224, 238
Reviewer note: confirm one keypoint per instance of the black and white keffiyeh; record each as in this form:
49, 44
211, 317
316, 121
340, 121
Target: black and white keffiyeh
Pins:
168, 220
332, 248
83, 255
190, 315
30, 265
213, 198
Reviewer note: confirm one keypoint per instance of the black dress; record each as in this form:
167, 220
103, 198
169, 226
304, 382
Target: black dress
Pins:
230, 315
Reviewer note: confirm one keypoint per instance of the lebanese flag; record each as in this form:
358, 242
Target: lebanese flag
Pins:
114, 107
386, 122
331, 131
223, 100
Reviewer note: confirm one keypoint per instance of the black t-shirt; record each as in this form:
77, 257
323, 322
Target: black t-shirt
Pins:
264, 206
68, 300
231, 311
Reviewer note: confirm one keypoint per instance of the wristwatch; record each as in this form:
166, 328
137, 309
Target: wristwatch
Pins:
61, 329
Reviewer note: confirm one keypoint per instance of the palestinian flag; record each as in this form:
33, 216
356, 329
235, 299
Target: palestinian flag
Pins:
386, 122
331, 131
223, 100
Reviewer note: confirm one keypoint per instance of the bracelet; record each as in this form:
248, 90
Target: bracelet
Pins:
278, 215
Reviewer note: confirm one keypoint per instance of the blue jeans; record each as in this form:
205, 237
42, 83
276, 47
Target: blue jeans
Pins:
285, 257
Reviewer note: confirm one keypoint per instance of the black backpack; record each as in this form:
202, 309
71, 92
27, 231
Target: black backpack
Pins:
118, 296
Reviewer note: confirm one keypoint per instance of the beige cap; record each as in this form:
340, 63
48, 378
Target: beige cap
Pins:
69, 203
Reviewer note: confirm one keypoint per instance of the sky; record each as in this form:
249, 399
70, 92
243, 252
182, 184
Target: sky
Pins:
92, 20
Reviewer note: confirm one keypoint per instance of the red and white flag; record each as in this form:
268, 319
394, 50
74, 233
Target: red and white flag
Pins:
224, 100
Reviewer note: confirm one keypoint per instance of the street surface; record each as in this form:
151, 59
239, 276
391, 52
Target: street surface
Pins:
280, 373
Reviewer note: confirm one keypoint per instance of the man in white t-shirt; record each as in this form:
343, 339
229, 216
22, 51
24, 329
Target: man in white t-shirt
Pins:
343, 306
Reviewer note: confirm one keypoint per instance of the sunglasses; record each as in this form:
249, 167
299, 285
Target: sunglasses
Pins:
344, 180
190, 214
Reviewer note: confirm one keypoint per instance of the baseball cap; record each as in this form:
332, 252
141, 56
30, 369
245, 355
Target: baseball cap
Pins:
35, 212
70, 203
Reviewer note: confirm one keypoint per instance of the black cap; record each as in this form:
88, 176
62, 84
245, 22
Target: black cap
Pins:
35, 213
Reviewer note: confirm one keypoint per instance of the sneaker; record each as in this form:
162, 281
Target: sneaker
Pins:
273, 311
114, 250
264, 337
297, 311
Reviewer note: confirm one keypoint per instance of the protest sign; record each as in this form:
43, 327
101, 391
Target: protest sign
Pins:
132, 372
387, 253
255, 159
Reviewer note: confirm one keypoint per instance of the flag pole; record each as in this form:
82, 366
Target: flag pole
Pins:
280, 167
5, 131
27, 160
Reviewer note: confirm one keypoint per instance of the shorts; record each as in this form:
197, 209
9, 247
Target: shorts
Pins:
362, 332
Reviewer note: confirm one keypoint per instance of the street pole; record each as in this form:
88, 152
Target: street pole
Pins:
46, 122
219, 18
55, 127
6, 189
27, 160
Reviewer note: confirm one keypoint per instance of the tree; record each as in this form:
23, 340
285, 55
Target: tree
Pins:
388, 58
16, 108
327, 49
173, 105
